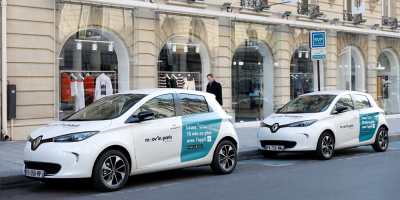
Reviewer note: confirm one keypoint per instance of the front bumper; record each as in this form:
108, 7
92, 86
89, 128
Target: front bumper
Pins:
75, 159
293, 138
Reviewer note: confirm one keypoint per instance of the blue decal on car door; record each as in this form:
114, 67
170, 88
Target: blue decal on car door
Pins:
199, 133
368, 125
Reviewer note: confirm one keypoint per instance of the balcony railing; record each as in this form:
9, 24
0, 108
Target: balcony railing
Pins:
254, 3
389, 21
349, 17
308, 10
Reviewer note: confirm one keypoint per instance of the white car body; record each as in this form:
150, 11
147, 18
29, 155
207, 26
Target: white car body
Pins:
350, 129
152, 145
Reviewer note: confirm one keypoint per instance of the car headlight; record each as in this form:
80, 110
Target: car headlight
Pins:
302, 123
75, 137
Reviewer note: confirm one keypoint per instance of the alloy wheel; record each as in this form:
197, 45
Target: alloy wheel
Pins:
227, 157
114, 170
383, 139
327, 146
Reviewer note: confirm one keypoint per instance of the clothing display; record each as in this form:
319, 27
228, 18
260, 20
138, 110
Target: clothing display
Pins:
78, 91
184, 80
173, 80
103, 87
191, 85
180, 81
89, 85
65, 88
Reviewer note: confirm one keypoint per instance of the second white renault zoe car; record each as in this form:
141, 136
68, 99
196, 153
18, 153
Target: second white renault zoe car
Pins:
135, 132
324, 122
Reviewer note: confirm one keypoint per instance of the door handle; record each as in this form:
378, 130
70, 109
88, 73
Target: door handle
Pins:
174, 126
355, 117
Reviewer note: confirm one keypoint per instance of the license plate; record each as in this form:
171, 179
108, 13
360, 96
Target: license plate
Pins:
274, 148
34, 173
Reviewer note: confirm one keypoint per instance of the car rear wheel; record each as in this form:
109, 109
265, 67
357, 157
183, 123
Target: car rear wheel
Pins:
269, 154
111, 171
325, 146
381, 140
225, 158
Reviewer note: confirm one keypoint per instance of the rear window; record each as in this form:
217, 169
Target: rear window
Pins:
193, 104
362, 101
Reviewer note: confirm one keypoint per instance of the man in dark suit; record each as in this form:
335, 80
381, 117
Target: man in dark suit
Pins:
215, 88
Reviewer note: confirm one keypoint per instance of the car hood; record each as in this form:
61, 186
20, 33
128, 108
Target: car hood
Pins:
67, 127
288, 118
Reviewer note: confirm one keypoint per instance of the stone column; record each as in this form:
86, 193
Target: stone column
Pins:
147, 52
223, 74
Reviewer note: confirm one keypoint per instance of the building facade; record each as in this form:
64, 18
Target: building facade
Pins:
61, 55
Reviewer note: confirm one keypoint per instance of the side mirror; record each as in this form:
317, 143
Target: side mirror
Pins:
341, 109
146, 115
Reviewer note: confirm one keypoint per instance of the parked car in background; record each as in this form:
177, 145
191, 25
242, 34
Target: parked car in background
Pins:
324, 122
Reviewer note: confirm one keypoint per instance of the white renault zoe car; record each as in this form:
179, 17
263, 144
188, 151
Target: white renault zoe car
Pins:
135, 132
324, 122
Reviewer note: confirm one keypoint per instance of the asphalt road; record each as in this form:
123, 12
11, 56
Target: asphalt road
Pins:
358, 173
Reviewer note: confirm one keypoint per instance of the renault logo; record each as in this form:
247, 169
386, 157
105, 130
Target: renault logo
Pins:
274, 127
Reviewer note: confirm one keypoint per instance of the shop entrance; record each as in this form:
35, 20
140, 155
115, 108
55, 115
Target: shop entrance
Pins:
252, 82
388, 82
93, 63
183, 62
351, 75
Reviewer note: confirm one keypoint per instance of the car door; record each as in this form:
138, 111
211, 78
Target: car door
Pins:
347, 123
369, 118
200, 127
158, 141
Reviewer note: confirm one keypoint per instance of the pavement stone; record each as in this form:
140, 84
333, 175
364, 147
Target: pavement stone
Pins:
11, 152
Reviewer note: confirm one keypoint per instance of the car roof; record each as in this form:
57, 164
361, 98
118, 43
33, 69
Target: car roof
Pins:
165, 90
335, 92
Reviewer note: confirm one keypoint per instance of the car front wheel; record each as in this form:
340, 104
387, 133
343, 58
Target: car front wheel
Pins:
381, 140
111, 171
325, 146
225, 158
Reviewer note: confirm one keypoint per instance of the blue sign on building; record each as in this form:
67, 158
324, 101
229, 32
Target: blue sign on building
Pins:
317, 39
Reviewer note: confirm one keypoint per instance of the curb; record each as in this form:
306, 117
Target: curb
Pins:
18, 179
14, 179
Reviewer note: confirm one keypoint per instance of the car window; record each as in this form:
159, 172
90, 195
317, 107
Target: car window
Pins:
345, 101
106, 108
162, 106
362, 101
193, 104
308, 104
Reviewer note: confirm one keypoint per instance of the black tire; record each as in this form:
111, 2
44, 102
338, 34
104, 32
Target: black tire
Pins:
269, 154
225, 158
381, 140
325, 146
116, 166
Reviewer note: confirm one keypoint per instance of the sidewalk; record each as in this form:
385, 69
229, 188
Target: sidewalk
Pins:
11, 160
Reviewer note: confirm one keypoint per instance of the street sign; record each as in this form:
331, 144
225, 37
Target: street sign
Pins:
318, 54
317, 39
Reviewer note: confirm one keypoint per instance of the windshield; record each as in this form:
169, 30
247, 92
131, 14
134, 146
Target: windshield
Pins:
109, 107
308, 104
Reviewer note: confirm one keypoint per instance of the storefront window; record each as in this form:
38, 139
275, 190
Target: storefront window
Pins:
388, 81
301, 72
352, 67
93, 57
253, 71
188, 51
